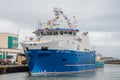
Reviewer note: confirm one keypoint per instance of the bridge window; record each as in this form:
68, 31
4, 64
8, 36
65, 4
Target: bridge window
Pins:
65, 33
70, 33
49, 33
61, 32
55, 33
74, 33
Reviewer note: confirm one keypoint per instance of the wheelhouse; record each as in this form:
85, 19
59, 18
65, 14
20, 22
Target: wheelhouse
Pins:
56, 31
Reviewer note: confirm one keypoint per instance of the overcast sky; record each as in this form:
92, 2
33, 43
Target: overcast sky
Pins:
100, 17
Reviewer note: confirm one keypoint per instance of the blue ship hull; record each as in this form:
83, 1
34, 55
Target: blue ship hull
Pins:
99, 64
59, 61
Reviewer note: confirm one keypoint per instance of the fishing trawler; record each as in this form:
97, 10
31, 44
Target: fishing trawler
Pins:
58, 49
99, 61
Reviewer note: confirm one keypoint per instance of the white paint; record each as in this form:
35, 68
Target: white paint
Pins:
69, 72
62, 42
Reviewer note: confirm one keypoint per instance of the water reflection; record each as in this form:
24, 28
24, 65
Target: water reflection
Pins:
109, 72
78, 76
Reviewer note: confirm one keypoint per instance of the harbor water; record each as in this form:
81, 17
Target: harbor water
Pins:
109, 72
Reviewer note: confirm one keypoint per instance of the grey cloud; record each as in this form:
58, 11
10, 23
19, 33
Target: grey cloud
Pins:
92, 15
110, 51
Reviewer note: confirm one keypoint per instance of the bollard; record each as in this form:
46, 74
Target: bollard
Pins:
4, 70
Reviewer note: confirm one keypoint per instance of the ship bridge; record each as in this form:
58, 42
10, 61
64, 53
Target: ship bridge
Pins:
56, 31
60, 25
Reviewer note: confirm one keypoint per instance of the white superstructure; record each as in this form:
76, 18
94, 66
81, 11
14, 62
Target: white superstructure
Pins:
59, 33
